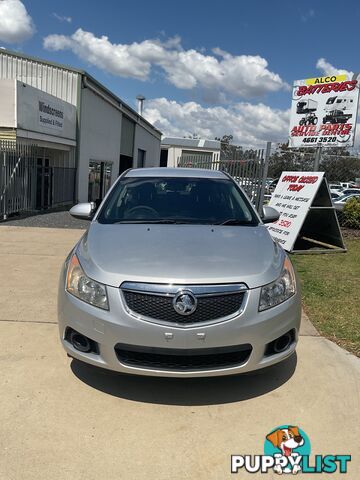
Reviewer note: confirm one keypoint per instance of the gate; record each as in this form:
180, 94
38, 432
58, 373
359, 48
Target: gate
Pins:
249, 170
30, 180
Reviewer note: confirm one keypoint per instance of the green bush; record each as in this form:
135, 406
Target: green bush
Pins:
351, 214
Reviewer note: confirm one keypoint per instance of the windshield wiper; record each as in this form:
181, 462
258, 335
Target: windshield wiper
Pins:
165, 221
235, 221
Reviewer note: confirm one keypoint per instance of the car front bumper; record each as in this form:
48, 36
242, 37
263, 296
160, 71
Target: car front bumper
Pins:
117, 326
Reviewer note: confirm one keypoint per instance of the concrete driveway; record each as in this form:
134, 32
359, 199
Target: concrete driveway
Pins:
62, 420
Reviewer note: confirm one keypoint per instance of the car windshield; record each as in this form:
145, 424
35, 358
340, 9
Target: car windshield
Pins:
177, 200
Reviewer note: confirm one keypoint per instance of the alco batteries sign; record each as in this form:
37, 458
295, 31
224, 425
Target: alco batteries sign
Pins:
323, 112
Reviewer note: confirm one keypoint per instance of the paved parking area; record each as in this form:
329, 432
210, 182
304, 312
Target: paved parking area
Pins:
62, 420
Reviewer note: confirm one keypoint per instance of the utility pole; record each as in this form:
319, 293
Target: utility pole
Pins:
317, 159
260, 201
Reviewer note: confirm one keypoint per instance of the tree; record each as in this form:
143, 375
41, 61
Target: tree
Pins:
336, 162
284, 159
228, 151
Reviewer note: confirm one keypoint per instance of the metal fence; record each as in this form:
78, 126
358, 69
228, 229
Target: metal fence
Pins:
338, 164
249, 169
29, 180
342, 172
254, 169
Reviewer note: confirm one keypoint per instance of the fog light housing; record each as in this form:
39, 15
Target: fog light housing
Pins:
280, 344
81, 342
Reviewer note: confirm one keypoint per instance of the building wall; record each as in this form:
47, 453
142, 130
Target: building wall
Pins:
175, 152
100, 132
99, 115
144, 140
7, 103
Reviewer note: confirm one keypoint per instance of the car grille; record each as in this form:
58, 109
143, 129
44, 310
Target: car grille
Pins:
210, 306
182, 360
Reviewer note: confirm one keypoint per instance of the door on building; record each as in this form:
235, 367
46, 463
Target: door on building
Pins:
141, 158
99, 180
126, 162
126, 144
164, 157
44, 177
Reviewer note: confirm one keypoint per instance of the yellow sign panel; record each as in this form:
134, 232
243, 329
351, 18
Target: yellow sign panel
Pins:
328, 79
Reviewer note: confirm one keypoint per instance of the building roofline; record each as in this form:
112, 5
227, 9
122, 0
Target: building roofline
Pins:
41, 60
83, 73
198, 143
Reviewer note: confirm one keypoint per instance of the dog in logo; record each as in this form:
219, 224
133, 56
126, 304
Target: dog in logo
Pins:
286, 440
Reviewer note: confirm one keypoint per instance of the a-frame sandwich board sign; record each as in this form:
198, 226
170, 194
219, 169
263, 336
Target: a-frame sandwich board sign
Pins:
308, 222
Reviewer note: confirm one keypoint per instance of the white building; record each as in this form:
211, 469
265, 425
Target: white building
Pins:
187, 149
65, 119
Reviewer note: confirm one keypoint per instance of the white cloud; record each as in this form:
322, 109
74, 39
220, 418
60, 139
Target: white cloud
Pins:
221, 72
121, 60
251, 125
308, 15
328, 69
62, 18
16, 25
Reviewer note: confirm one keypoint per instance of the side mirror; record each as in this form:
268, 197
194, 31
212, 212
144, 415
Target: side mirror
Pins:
84, 211
270, 214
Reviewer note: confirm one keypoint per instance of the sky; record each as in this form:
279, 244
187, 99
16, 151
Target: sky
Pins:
205, 68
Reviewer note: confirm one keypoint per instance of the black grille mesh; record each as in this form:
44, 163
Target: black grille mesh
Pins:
161, 308
164, 359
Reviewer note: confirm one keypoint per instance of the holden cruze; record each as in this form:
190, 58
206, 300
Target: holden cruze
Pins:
177, 275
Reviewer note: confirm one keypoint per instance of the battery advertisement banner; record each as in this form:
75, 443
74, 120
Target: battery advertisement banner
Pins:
323, 112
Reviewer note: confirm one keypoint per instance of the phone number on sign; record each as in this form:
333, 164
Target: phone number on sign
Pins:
319, 139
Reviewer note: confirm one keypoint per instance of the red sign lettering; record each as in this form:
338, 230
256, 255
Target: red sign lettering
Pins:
295, 188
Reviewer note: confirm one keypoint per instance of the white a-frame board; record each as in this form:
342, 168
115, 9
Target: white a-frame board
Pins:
308, 222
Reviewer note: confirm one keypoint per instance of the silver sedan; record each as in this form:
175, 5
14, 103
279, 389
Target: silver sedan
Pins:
177, 275
339, 203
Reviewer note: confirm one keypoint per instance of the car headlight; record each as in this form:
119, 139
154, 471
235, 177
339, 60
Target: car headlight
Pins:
83, 287
280, 290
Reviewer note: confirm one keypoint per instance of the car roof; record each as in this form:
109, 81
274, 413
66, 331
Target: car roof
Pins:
175, 172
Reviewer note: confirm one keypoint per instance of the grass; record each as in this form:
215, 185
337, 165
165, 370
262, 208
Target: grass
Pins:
330, 294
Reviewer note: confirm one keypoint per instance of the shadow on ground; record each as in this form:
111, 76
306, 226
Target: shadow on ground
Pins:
186, 392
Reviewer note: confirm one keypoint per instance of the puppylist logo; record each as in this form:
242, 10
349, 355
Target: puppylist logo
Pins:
287, 450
